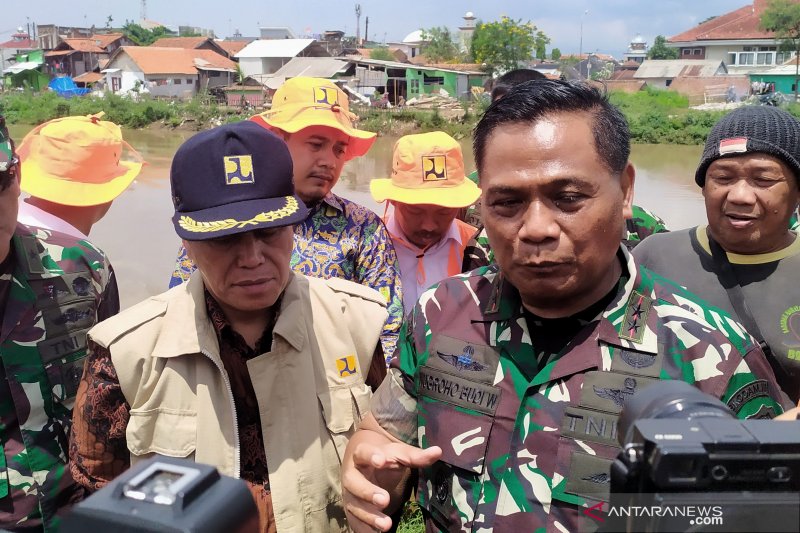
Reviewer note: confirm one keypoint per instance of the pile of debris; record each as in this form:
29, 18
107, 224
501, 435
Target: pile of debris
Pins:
434, 101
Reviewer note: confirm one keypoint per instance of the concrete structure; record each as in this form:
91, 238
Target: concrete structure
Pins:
276, 32
267, 56
637, 50
734, 38
660, 73
411, 45
466, 31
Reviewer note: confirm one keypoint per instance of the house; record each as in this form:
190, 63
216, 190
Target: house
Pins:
170, 72
50, 35
734, 38
74, 56
191, 43
20, 43
410, 81
26, 72
660, 73
783, 78
232, 47
314, 67
266, 56
596, 66
711, 89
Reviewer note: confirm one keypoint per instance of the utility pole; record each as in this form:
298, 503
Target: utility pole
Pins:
144, 10
366, 31
358, 24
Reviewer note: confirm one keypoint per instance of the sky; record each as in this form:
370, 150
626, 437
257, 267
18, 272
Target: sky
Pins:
607, 27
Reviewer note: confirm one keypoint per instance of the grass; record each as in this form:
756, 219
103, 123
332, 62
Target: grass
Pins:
411, 521
655, 116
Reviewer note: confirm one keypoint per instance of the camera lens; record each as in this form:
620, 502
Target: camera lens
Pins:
668, 399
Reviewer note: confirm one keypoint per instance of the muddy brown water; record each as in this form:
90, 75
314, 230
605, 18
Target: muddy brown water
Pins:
138, 236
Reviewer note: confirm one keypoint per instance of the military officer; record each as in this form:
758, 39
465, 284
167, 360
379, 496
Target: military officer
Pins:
53, 287
509, 380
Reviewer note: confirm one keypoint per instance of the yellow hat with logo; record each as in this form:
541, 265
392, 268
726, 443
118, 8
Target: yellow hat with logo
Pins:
303, 102
427, 168
77, 161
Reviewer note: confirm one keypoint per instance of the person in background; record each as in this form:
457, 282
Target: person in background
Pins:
509, 380
73, 173
338, 238
53, 287
426, 190
252, 368
745, 260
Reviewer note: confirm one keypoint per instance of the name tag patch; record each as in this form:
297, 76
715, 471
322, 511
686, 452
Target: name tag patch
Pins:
455, 390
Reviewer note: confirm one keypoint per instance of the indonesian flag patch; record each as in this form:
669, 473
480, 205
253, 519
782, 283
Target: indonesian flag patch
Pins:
733, 146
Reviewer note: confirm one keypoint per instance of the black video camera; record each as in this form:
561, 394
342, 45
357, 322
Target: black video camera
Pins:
688, 464
164, 494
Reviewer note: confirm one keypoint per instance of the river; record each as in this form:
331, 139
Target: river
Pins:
138, 236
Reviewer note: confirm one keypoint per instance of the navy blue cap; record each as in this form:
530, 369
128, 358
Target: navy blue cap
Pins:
232, 179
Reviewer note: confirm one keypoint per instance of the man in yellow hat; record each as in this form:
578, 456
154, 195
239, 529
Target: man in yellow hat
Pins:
338, 238
427, 188
73, 172
53, 288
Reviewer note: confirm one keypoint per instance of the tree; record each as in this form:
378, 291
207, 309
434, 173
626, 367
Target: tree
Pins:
541, 52
555, 54
502, 44
109, 20
142, 36
439, 46
659, 50
783, 18
382, 53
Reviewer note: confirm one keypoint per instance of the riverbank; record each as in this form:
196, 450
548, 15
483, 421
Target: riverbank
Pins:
655, 116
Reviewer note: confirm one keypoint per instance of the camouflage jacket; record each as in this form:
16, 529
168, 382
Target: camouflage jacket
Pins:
644, 223
524, 454
58, 288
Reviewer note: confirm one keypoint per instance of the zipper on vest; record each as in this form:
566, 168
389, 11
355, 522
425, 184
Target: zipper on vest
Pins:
236, 469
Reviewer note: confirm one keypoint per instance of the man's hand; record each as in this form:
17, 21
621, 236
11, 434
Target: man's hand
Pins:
374, 466
791, 414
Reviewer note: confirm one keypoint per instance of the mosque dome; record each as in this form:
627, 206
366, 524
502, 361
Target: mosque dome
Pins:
413, 37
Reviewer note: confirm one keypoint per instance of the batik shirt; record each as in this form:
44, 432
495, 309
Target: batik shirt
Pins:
341, 239
53, 287
642, 224
527, 440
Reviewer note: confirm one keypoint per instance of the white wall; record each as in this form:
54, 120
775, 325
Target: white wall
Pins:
251, 66
185, 89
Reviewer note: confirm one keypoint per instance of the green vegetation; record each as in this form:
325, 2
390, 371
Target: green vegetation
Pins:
655, 116
411, 521
142, 36
439, 46
200, 112
381, 53
660, 50
502, 44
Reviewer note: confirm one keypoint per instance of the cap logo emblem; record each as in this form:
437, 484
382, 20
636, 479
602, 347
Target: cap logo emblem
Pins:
733, 146
326, 95
239, 169
346, 365
434, 168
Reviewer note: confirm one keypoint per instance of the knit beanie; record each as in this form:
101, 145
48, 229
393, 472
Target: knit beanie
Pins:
751, 129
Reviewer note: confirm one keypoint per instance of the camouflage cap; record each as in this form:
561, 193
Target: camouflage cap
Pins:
6, 146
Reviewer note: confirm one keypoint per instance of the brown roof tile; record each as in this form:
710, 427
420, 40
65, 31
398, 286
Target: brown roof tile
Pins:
179, 42
156, 60
232, 47
742, 23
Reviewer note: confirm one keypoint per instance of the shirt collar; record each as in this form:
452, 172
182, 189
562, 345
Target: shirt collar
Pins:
331, 200
395, 229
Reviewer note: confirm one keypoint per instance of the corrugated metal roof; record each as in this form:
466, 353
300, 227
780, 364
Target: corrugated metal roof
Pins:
21, 67
274, 48
314, 67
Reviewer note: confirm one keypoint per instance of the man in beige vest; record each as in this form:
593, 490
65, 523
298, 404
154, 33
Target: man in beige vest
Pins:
248, 366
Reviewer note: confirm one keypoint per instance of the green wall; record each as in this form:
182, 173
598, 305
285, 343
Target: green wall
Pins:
449, 82
783, 82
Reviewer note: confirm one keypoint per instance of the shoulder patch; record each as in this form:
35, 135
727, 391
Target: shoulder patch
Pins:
355, 289
113, 328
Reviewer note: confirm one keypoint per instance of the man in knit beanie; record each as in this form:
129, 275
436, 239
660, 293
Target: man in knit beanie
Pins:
746, 259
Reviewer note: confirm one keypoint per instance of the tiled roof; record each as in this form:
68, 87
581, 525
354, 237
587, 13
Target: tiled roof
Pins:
88, 77
180, 42
84, 45
742, 23
232, 47
153, 60
107, 38
21, 44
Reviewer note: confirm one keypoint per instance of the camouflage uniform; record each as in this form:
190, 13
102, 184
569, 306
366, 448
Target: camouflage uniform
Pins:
527, 442
57, 287
794, 223
644, 223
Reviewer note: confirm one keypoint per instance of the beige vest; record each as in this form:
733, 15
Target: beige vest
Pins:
310, 388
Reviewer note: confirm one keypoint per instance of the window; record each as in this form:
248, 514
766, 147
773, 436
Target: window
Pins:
746, 58
764, 58
697, 52
177, 81
116, 84
686, 51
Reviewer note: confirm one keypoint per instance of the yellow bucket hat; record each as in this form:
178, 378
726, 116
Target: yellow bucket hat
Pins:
76, 161
427, 168
302, 102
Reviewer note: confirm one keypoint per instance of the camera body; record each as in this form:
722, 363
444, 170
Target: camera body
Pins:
688, 464
165, 494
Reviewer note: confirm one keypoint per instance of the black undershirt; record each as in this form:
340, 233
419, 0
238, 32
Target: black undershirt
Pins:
550, 336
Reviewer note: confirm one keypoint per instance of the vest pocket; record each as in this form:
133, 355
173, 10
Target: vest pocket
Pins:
164, 431
342, 409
